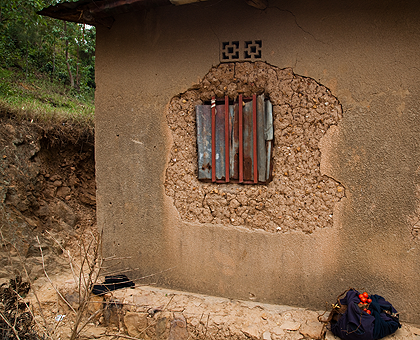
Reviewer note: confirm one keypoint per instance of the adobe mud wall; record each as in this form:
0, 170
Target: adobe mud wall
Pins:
361, 59
298, 197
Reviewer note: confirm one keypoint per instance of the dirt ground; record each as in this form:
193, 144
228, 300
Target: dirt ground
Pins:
149, 313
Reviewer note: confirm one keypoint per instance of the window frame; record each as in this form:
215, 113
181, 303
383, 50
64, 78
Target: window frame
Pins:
249, 136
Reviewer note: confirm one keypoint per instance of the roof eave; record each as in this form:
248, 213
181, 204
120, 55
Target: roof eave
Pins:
102, 11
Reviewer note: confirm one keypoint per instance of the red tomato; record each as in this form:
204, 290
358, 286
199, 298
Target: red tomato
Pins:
366, 295
363, 299
360, 296
369, 300
368, 311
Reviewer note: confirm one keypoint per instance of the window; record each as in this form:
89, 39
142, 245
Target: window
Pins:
235, 140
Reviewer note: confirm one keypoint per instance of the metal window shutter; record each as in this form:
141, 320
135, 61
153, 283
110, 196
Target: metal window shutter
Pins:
240, 134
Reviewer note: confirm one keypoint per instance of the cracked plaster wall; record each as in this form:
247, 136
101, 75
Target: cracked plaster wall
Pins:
299, 197
366, 53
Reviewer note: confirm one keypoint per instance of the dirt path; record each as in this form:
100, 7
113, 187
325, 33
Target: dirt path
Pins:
147, 312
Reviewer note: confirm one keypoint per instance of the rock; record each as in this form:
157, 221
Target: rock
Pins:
162, 326
43, 209
49, 191
290, 325
112, 314
57, 183
95, 305
65, 213
10, 128
63, 191
135, 323
63, 226
278, 331
72, 299
178, 329
87, 198
251, 331
405, 332
330, 336
92, 331
218, 319
266, 336
54, 178
312, 330
415, 330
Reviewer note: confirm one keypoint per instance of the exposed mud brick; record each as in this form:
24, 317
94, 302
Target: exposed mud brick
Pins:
298, 197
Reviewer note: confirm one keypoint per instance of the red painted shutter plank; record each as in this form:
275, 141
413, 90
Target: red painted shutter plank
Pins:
213, 139
220, 143
254, 137
241, 140
248, 169
227, 139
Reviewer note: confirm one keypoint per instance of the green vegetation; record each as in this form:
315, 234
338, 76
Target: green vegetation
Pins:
46, 65
39, 97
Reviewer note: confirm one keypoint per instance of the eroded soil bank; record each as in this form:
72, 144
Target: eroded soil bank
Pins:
47, 193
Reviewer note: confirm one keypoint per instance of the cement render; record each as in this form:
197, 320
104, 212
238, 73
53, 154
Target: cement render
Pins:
364, 53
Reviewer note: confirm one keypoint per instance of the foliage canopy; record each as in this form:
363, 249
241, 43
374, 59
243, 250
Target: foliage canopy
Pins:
62, 50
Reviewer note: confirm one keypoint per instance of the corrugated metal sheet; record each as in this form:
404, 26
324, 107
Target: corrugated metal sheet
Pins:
94, 12
203, 114
234, 140
262, 152
268, 133
220, 142
248, 142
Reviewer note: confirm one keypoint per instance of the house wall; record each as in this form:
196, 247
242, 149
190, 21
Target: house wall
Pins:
362, 55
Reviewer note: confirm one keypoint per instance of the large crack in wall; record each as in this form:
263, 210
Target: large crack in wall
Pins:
298, 197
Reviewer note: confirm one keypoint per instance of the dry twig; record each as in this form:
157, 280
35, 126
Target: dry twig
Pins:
48, 278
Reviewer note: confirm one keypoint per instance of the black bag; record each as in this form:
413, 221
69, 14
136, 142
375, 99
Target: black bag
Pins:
353, 323
112, 283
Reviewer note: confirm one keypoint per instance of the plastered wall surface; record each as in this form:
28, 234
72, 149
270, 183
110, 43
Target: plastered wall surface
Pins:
362, 56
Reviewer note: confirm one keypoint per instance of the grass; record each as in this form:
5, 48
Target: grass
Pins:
37, 97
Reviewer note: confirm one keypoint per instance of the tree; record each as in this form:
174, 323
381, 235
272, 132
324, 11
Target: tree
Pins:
64, 51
